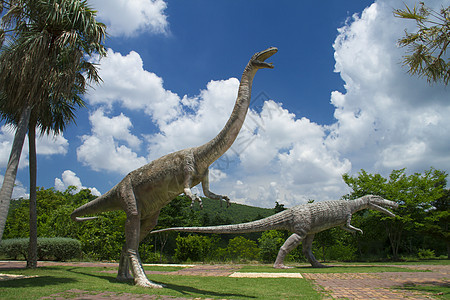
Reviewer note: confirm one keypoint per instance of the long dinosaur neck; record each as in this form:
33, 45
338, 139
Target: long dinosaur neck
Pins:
215, 148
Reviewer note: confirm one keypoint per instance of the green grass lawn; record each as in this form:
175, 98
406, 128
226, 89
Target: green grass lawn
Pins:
438, 291
53, 280
60, 279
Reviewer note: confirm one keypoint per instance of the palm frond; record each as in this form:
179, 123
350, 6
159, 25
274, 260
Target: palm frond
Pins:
44, 63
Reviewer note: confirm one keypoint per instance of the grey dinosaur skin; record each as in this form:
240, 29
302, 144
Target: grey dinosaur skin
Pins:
304, 221
143, 192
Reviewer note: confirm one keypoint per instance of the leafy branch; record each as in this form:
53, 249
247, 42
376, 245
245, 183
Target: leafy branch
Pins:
428, 46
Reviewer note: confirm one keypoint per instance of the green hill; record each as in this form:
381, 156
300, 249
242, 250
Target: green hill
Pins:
236, 213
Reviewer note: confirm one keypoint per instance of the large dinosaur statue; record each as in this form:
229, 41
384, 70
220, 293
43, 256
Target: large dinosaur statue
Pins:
143, 192
304, 221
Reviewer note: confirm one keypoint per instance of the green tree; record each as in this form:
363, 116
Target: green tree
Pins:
414, 193
241, 248
278, 207
269, 244
42, 74
194, 248
101, 238
427, 46
324, 240
176, 214
437, 220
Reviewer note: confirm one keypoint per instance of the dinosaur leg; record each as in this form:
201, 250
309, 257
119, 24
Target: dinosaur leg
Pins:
124, 268
349, 228
190, 194
211, 195
132, 234
147, 225
293, 241
189, 170
307, 251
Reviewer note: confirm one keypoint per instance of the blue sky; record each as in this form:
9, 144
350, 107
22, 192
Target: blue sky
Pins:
337, 101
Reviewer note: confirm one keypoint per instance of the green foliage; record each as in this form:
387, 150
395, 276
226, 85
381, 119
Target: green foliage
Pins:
193, 248
426, 254
422, 215
340, 251
242, 249
236, 213
14, 248
58, 248
148, 255
204, 248
429, 44
278, 207
415, 194
102, 238
269, 244
436, 223
324, 240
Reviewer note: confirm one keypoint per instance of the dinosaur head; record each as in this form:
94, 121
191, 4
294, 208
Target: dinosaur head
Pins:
376, 203
258, 60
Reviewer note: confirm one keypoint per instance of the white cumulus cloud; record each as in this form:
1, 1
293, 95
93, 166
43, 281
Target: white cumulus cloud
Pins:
69, 178
126, 83
213, 107
45, 145
386, 119
131, 17
103, 150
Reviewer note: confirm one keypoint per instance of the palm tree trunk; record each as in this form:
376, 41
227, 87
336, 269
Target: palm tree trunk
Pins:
32, 246
11, 170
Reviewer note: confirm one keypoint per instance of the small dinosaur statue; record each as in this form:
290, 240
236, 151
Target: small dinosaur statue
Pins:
304, 221
144, 191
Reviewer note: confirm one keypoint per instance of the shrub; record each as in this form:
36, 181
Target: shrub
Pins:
426, 254
104, 237
340, 251
13, 248
269, 245
59, 249
193, 248
240, 248
149, 255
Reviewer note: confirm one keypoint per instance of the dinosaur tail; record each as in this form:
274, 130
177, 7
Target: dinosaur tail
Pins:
103, 203
277, 221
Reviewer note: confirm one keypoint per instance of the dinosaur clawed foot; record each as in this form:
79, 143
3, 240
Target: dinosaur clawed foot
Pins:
282, 266
227, 200
194, 198
147, 284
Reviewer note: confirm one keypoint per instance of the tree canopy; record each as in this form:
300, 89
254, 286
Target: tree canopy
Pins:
415, 193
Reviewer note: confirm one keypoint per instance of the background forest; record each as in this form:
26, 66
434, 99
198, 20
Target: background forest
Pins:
419, 230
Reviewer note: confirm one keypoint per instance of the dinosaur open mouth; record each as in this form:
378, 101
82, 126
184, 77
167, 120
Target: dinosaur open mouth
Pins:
263, 55
260, 57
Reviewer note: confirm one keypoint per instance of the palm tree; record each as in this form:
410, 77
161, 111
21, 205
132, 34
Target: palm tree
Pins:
427, 46
43, 70
51, 119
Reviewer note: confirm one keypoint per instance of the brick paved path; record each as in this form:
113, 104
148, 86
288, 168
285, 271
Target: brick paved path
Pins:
336, 285
379, 285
